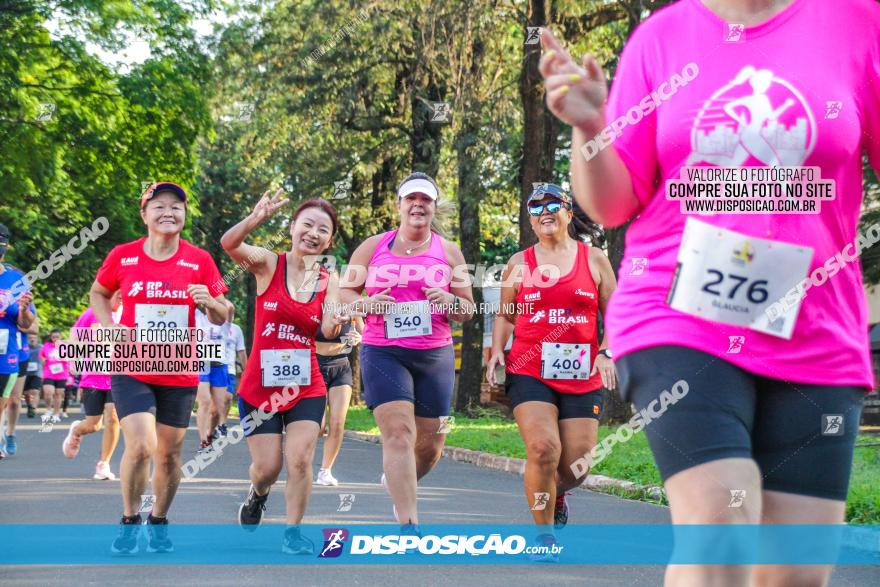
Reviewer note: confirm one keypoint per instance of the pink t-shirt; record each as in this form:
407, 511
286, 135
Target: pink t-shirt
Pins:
406, 276
823, 86
89, 320
53, 367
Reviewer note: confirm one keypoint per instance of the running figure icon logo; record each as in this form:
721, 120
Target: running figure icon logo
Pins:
446, 424
737, 497
47, 109
346, 501
269, 329
736, 344
537, 317
832, 109
341, 189
136, 288
639, 264
734, 33
533, 35
832, 424
541, 501
334, 540
147, 502
755, 119
439, 112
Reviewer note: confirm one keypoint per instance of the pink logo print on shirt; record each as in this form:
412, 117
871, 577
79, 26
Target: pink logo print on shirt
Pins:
756, 119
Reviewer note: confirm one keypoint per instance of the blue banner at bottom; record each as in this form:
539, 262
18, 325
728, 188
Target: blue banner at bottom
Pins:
452, 544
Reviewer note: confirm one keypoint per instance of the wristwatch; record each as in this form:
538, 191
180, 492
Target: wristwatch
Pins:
606, 352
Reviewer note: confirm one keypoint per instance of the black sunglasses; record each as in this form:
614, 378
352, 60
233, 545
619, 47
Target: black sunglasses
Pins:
552, 207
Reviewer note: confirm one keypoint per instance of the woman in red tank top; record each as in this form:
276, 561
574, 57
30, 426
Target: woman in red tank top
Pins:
282, 389
551, 295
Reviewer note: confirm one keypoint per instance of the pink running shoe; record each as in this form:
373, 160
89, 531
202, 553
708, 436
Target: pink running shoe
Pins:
71, 443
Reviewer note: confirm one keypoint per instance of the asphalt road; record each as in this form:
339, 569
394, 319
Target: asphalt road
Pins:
40, 486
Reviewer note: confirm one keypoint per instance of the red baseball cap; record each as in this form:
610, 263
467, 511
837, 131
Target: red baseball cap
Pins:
162, 186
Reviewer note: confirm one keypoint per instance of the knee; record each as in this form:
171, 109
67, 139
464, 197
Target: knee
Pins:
544, 451
336, 426
783, 575
90, 427
265, 472
429, 452
299, 464
140, 449
399, 437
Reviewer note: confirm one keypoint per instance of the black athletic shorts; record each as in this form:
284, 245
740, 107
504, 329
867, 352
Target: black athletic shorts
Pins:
310, 408
93, 400
56, 383
33, 382
336, 370
522, 388
170, 405
800, 435
425, 377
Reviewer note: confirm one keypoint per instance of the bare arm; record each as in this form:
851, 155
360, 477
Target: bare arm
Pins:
576, 94
259, 261
99, 300
606, 284
461, 292
26, 318
355, 277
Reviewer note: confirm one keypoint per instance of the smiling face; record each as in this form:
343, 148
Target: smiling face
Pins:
416, 210
550, 224
312, 232
55, 336
164, 214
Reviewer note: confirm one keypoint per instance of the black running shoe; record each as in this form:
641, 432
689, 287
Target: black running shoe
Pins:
296, 543
126, 541
250, 514
222, 430
31, 413
157, 530
560, 514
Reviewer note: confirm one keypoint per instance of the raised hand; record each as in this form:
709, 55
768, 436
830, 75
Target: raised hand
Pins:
268, 205
575, 94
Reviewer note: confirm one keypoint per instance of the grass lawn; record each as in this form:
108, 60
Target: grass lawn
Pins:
632, 461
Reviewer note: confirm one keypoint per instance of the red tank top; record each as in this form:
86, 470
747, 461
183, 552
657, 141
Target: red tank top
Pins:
563, 313
281, 322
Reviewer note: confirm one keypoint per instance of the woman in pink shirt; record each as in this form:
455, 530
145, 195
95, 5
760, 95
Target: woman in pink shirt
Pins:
97, 400
55, 375
766, 383
407, 359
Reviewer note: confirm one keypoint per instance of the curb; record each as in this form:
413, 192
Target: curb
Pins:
485, 460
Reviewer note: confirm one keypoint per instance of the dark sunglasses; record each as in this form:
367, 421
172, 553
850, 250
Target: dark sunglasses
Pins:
552, 207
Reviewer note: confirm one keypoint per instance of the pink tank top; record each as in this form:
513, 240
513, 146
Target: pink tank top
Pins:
406, 276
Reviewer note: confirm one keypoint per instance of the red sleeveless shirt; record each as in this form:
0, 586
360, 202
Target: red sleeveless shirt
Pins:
281, 322
565, 312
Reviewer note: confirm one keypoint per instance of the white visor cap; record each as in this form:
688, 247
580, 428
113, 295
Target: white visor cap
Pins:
418, 186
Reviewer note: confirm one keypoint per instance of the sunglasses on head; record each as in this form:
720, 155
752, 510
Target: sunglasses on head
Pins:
552, 207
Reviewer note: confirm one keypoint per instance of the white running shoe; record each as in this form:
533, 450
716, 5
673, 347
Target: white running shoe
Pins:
325, 477
70, 446
103, 472
393, 507
64, 415
56, 419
